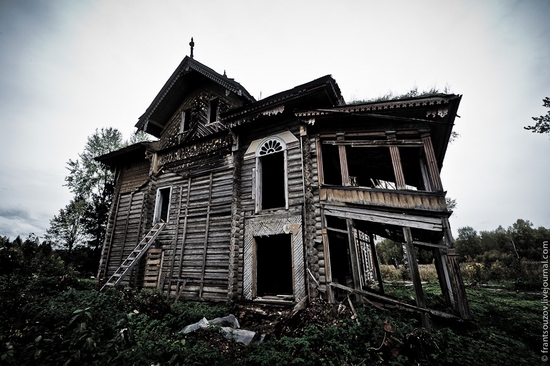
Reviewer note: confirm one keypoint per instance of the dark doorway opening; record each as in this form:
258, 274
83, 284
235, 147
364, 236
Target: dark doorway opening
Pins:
340, 265
162, 205
273, 265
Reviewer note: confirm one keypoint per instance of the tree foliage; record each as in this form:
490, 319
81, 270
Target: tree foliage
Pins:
84, 220
67, 227
521, 241
543, 122
88, 177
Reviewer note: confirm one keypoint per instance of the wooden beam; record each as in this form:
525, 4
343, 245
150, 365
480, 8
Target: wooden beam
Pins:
343, 162
376, 143
395, 302
431, 160
407, 220
320, 171
415, 275
328, 270
376, 263
354, 257
396, 162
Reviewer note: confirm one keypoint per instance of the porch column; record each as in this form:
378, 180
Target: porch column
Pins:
396, 162
433, 169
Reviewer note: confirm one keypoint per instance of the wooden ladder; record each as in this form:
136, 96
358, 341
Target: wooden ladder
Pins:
134, 257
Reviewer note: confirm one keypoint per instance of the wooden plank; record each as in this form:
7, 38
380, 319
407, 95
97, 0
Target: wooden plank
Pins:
184, 234
413, 221
415, 275
343, 163
396, 162
398, 303
431, 160
205, 249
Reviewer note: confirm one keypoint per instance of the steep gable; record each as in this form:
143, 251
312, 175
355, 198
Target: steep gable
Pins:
191, 80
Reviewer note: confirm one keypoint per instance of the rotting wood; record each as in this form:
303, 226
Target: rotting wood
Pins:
397, 303
396, 162
432, 163
343, 162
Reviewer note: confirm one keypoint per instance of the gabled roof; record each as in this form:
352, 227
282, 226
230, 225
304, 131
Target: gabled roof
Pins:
183, 81
321, 92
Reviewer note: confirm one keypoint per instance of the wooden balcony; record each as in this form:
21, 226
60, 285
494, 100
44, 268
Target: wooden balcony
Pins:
398, 199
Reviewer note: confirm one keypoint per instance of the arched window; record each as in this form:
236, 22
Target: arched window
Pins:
271, 178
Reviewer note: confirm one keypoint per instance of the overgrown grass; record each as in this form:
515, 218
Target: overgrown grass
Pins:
84, 327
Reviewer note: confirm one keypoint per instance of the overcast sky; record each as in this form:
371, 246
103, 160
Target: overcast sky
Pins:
70, 67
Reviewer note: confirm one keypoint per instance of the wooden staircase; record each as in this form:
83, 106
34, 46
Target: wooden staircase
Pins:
134, 257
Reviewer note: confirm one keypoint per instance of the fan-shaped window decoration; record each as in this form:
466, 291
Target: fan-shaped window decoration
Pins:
270, 146
271, 181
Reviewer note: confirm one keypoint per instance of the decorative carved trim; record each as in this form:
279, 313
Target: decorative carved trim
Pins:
256, 227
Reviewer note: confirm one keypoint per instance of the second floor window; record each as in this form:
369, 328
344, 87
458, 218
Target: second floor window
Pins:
271, 175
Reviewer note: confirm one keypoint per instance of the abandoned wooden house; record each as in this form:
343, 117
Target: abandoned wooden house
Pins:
279, 200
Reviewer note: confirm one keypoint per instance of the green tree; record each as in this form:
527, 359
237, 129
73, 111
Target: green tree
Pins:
468, 243
88, 176
543, 122
93, 182
92, 185
390, 252
66, 228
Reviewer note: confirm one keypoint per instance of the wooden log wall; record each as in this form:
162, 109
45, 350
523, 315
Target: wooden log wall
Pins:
196, 240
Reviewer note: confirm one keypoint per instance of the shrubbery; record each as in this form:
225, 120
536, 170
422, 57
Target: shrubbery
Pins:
48, 316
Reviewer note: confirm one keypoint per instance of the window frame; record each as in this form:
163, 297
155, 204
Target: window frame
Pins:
164, 193
267, 144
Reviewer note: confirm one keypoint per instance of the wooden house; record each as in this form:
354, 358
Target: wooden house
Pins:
279, 200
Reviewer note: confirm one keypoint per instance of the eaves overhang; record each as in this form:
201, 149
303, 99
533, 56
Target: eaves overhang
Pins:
437, 112
126, 154
325, 88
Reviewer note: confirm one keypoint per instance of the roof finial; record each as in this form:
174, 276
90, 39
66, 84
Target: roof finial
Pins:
192, 44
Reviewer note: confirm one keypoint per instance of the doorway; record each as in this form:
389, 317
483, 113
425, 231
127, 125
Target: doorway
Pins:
273, 265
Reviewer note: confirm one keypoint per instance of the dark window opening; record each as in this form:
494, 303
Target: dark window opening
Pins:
272, 181
331, 165
412, 159
336, 223
273, 265
185, 121
213, 110
162, 205
371, 167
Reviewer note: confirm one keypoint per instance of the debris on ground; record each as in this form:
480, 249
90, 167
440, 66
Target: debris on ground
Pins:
228, 326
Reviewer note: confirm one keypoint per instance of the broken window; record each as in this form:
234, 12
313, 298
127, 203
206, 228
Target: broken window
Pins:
370, 163
273, 265
271, 178
162, 205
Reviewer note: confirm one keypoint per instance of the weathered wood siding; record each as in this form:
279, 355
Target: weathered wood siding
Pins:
371, 197
125, 230
196, 240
